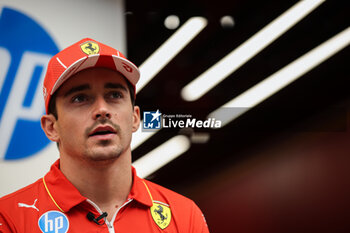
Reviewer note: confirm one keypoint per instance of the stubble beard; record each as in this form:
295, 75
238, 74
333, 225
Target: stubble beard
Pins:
100, 154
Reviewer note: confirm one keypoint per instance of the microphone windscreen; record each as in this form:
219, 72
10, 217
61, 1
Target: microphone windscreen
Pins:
90, 216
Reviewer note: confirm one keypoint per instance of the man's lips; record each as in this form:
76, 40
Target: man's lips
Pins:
102, 131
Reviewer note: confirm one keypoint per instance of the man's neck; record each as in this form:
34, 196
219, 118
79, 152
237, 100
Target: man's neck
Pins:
107, 184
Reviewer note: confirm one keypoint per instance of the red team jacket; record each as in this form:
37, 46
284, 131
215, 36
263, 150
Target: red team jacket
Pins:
54, 205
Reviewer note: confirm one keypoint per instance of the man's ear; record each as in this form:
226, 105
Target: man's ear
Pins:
136, 119
48, 124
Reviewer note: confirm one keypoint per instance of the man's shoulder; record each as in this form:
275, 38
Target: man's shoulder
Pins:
25, 193
161, 193
20, 210
186, 213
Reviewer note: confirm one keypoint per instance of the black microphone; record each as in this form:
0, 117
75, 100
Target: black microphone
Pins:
91, 217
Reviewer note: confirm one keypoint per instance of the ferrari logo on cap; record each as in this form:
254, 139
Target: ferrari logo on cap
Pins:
90, 48
161, 214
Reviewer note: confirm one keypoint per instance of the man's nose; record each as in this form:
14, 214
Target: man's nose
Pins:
101, 109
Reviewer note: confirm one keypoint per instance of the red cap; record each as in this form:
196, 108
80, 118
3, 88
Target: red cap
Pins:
84, 54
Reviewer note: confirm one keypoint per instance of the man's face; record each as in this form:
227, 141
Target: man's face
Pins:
95, 115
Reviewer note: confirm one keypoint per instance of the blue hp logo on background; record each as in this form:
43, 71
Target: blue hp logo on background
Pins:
25, 49
53, 222
152, 120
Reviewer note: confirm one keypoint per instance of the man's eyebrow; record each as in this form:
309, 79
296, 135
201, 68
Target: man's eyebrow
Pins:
77, 89
115, 86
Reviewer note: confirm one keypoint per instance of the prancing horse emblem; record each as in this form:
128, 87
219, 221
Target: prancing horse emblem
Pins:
161, 214
90, 48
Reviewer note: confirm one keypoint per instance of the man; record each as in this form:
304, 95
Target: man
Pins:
89, 92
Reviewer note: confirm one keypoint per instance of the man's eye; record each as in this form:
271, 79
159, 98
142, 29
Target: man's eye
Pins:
79, 98
115, 95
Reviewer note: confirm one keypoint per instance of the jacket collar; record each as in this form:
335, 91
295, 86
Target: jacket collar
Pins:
140, 191
62, 192
65, 196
